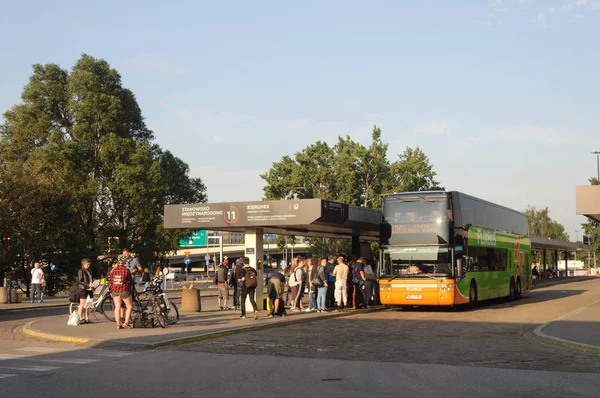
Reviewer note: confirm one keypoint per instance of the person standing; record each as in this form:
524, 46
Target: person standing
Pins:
239, 274
341, 272
359, 280
311, 274
221, 282
249, 282
120, 282
295, 282
330, 297
371, 280
37, 276
84, 278
323, 287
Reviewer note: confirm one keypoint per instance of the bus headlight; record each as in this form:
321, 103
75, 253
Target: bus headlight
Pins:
445, 288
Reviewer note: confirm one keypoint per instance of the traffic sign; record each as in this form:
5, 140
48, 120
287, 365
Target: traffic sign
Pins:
198, 238
187, 261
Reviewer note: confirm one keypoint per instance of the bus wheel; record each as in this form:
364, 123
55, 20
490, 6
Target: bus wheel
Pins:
518, 292
473, 303
511, 290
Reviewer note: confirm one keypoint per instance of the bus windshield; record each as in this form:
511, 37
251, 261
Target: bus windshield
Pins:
415, 261
418, 220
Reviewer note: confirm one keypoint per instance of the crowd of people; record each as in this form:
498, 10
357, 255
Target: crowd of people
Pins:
333, 283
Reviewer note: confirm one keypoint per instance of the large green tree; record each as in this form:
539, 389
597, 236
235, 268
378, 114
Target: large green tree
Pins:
541, 224
83, 134
348, 172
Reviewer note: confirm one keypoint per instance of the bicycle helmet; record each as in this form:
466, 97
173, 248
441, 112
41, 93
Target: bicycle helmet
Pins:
122, 258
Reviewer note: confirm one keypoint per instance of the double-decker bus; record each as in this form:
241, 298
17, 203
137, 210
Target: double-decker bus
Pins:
447, 248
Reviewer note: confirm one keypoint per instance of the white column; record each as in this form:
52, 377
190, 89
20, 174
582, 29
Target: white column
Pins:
254, 251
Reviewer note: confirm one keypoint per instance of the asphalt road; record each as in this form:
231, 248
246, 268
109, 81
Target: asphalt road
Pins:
489, 352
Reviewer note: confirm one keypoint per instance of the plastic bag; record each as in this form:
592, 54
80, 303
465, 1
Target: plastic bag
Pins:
89, 303
73, 319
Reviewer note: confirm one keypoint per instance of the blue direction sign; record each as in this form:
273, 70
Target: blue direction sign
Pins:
187, 261
198, 238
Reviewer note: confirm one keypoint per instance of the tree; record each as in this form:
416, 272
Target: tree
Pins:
540, 224
349, 173
84, 135
413, 172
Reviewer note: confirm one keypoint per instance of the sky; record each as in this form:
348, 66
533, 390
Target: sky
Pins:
503, 96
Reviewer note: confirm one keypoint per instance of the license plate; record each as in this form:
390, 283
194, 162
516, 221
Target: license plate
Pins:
414, 297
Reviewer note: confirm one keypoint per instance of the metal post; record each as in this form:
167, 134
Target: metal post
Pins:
566, 264
545, 262
597, 153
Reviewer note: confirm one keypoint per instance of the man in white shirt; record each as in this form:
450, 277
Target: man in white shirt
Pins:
37, 277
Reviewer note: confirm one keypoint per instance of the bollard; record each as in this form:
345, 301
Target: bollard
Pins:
3, 295
12, 296
190, 300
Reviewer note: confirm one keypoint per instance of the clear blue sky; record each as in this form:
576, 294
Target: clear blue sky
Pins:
503, 96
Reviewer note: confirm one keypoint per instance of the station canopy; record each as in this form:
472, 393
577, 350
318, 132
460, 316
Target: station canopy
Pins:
303, 217
539, 243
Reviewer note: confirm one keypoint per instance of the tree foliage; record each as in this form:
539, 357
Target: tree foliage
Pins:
541, 224
78, 156
348, 172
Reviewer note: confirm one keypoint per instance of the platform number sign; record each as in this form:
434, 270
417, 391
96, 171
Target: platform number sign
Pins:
232, 215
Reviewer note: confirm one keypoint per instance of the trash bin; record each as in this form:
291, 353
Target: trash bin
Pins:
190, 300
19, 297
12, 295
3, 295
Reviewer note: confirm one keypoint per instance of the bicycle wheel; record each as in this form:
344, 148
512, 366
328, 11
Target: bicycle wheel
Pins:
159, 315
172, 314
108, 308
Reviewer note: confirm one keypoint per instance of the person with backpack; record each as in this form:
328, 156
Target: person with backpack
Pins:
275, 294
84, 279
248, 283
321, 284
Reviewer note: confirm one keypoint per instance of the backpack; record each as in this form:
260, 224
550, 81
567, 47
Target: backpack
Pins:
251, 281
75, 293
293, 281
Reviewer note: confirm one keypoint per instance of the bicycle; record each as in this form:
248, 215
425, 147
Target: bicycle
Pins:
167, 307
104, 304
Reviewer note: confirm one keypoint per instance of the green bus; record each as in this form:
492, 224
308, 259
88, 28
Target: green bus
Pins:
448, 248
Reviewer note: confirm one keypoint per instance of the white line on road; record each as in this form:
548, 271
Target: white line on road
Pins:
45, 349
32, 368
4, 376
112, 354
77, 361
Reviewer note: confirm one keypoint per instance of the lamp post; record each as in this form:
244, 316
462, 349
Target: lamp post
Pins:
597, 153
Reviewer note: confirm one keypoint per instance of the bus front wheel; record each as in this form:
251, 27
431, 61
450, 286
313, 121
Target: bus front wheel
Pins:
473, 303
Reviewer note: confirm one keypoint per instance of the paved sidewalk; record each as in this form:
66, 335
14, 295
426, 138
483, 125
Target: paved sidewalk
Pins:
60, 301
579, 329
211, 322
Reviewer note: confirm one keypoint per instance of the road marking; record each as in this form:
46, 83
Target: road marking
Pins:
112, 354
4, 376
77, 361
44, 349
32, 368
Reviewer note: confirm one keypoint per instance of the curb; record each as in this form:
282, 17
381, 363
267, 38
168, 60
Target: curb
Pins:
27, 329
35, 308
563, 281
543, 337
538, 334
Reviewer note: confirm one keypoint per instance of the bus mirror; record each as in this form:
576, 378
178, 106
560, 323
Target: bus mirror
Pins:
459, 269
385, 233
